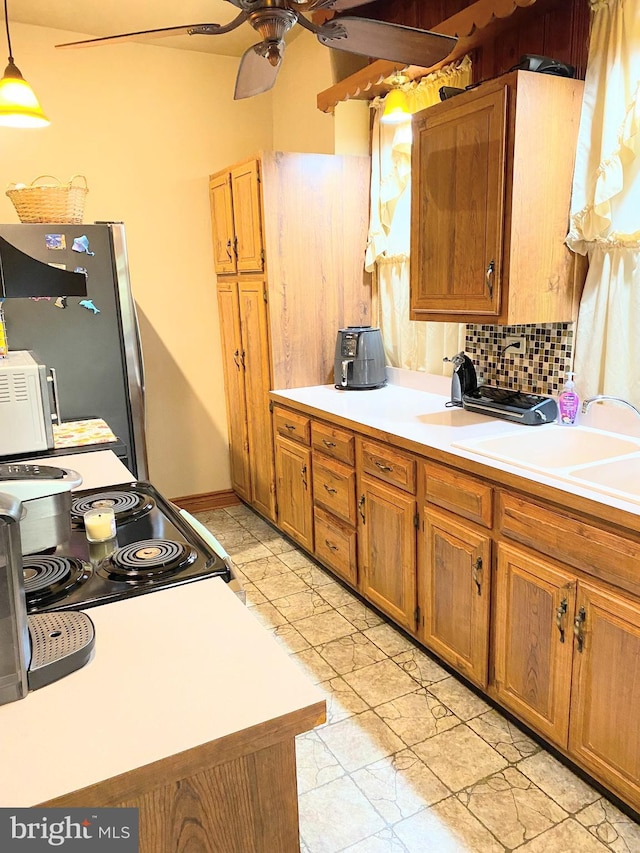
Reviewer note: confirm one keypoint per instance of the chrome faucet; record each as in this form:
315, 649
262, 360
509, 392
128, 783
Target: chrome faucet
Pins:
602, 397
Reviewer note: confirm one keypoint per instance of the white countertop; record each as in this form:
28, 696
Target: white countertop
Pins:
172, 670
416, 410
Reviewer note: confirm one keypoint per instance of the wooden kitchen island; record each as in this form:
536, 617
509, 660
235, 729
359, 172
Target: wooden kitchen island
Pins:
188, 711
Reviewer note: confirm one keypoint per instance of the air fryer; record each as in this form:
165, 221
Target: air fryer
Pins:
359, 359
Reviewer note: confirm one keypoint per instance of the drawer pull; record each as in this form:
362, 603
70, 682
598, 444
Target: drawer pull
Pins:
477, 574
290, 427
578, 624
331, 546
561, 612
236, 357
330, 489
328, 443
303, 474
383, 467
361, 508
489, 278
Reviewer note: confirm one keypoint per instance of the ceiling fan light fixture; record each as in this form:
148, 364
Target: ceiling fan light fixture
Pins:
19, 106
396, 108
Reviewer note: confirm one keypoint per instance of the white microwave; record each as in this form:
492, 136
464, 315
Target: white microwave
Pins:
28, 404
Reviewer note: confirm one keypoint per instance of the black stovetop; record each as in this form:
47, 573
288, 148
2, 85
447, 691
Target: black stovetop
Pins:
155, 547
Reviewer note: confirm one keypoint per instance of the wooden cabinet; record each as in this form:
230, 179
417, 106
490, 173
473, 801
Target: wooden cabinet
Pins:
233, 363
245, 350
535, 602
293, 483
534, 611
492, 173
334, 498
297, 279
604, 736
454, 570
455, 592
387, 521
236, 219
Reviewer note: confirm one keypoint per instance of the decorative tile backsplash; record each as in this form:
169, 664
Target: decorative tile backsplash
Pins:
542, 370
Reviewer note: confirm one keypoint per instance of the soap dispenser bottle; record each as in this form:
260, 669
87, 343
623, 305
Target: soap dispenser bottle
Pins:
568, 402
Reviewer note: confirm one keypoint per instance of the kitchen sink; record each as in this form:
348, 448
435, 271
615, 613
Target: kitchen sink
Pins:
621, 476
553, 447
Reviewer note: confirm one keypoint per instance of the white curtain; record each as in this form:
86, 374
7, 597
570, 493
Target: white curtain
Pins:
605, 206
415, 345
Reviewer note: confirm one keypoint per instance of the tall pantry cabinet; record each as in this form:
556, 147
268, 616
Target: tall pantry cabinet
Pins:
289, 233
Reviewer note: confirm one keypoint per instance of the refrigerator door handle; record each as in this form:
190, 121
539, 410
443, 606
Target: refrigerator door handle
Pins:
53, 379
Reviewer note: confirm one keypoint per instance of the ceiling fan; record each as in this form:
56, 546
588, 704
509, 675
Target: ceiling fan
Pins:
272, 20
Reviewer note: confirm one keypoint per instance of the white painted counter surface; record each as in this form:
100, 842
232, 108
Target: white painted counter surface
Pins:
172, 670
420, 414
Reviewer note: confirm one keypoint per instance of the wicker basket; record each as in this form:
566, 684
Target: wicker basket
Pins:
51, 202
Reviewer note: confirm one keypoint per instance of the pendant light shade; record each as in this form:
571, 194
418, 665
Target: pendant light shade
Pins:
19, 106
396, 108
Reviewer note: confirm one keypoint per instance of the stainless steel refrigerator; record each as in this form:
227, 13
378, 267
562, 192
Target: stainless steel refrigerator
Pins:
92, 341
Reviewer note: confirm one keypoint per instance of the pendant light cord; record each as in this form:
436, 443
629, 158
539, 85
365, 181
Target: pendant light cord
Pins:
6, 23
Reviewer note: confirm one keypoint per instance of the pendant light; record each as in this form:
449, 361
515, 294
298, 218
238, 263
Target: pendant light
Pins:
396, 105
19, 106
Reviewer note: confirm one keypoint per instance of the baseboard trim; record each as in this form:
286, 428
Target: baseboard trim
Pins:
209, 500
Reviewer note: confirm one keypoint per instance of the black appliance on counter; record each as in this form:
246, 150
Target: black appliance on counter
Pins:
156, 546
359, 359
511, 405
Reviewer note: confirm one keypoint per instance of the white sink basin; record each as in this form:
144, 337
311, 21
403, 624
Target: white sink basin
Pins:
553, 447
621, 476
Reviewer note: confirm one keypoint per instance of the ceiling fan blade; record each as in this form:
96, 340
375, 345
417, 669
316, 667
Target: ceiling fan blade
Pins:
341, 5
188, 29
258, 69
382, 40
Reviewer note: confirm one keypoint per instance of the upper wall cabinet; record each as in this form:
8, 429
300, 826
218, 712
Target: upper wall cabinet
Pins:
236, 219
492, 171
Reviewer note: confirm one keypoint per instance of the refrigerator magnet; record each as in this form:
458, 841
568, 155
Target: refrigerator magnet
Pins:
81, 244
88, 304
55, 241
61, 302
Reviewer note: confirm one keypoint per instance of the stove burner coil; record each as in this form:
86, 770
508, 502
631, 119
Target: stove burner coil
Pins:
126, 505
148, 559
47, 577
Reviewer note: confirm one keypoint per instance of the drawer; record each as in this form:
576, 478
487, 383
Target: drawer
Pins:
598, 552
459, 493
389, 465
336, 443
334, 487
294, 426
336, 546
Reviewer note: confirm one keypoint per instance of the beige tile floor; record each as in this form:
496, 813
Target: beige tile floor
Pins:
409, 760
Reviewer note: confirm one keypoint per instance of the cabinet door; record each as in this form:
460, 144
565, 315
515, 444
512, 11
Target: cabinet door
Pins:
604, 734
234, 376
387, 550
534, 610
224, 259
255, 351
455, 582
458, 171
293, 480
247, 217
